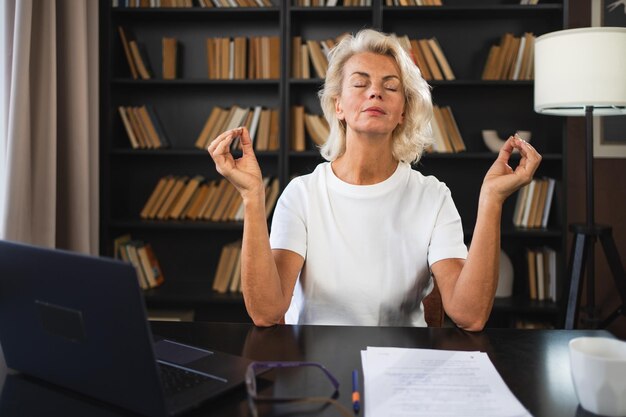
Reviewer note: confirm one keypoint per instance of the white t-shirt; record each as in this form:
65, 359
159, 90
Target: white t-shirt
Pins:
367, 248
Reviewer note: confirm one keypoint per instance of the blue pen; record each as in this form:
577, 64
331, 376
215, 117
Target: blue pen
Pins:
356, 404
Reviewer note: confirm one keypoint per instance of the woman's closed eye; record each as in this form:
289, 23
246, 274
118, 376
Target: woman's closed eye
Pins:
392, 86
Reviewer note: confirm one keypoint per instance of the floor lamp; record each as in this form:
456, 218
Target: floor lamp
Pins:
582, 72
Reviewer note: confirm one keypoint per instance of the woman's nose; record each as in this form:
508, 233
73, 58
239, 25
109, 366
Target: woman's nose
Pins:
375, 92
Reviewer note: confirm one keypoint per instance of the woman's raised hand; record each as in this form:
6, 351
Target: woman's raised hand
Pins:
244, 173
501, 180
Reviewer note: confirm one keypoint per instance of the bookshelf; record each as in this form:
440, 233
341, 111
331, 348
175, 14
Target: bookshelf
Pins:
189, 250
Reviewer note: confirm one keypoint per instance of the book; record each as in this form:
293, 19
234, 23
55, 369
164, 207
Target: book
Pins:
318, 58
446, 140
271, 196
203, 139
297, 131
296, 57
162, 196
235, 279
141, 62
214, 199
170, 201
430, 59
150, 266
186, 195
274, 140
127, 53
532, 273
140, 134
317, 128
148, 127
453, 129
420, 60
492, 58
154, 197
118, 246
441, 59
549, 197
169, 51
156, 123
261, 142
439, 137
131, 251
134, 143
199, 199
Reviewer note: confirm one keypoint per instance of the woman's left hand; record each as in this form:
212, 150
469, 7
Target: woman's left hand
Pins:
501, 180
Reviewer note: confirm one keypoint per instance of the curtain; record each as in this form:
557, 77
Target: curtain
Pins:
49, 126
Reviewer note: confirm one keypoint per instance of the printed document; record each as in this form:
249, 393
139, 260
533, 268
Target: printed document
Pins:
432, 383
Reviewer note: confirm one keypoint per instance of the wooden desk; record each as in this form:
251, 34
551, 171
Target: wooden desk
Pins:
533, 363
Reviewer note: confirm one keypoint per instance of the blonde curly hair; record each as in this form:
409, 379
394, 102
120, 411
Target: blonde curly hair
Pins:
409, 138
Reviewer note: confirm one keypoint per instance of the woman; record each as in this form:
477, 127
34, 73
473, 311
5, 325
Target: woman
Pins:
357, 241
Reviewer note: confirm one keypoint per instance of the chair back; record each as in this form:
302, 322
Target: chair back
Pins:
433, 307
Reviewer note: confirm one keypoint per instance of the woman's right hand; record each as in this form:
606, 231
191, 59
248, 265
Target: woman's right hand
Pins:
244, 173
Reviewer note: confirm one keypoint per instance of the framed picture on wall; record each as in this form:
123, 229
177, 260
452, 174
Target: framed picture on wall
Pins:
609, 136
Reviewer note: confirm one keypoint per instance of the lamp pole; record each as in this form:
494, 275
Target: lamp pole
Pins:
591, 317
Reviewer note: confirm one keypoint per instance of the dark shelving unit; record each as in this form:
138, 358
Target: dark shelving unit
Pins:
189, 251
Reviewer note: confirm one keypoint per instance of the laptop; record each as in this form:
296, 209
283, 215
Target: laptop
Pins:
80, 322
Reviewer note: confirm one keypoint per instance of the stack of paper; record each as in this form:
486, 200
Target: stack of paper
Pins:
424, 382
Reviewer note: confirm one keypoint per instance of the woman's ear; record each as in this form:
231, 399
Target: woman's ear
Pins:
338, 110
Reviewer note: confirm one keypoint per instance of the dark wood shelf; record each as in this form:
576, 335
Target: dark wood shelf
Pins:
191, 82
189, 250
485, 10
490, 156
175, 225
180, 152
436, 83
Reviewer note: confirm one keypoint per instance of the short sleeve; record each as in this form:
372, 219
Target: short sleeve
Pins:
288, 229
447, 237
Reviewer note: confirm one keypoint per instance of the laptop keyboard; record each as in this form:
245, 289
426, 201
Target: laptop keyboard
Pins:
176, 380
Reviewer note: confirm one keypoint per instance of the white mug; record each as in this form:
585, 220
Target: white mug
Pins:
598, 366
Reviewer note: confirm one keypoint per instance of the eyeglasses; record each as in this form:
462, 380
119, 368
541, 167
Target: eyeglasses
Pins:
254, 397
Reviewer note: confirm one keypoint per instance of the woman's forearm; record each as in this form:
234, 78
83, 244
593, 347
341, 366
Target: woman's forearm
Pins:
260, 281
476, 286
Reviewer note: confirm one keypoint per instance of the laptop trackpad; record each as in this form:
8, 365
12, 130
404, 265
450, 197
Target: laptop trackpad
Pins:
178, 353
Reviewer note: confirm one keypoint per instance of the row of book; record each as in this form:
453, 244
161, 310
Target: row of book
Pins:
191, 3
239, 58
511, 59
195, 198
262, 123
426, 53
143, 258
332, 3
446, 134
541, 274
316, 128
228, 273
307, 52
135, 55
235, 3
413, 3
143, 127
533, 203
429, 58
268, 3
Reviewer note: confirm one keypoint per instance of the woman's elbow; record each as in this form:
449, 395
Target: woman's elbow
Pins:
470, 323
477, 326
265, 320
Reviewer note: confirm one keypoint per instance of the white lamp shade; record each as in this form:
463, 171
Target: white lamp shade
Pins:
575, 68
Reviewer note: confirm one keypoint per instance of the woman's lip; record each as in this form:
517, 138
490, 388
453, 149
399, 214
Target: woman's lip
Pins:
375, 110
